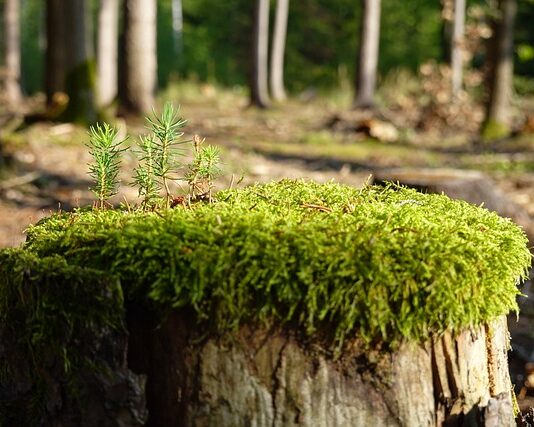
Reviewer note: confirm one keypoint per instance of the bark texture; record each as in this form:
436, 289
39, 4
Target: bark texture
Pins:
107, 51
259, 91
12, 52
278, 91
110, 395
368, 54
500, 71
79, 61
269, 378
139, 56
55, 49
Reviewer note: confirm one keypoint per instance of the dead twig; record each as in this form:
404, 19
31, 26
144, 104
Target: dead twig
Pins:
318, 207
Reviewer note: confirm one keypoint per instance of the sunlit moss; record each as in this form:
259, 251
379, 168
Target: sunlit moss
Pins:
381, 264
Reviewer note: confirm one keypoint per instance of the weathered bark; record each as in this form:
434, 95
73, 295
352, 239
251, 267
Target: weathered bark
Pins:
108, 39
269, 378
100, 391
259, 95
457, 47
500, 71
12, 52
79, 63
55, 49
139, 56
368, 54
278, 91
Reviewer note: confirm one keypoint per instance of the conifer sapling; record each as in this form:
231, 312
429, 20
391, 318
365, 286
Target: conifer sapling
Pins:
167, 131
203, 169
145, 178
106, 153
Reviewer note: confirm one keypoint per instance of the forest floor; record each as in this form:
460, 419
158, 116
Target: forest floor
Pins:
45, 164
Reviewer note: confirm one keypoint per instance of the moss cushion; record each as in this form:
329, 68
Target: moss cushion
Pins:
379, 263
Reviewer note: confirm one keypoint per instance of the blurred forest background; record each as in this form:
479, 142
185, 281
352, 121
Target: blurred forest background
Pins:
435, 94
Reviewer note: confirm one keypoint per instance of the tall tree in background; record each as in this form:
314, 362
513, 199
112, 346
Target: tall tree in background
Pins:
79, 63
278, 92
259, 95
55, 61
178, 28
108, 37
368, 54
457, 47
12, 51
139, 61
500, 71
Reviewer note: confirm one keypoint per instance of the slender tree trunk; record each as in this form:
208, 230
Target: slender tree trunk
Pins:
259, 95
368, 55
177, 28
500, 75
12, 51
108, 39
278, 92
79, 61
447, 17
55, 49
457, 47
139, 56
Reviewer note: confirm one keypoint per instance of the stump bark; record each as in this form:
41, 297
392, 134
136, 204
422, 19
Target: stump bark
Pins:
271, 378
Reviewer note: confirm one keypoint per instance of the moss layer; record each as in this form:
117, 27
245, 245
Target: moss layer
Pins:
382, 264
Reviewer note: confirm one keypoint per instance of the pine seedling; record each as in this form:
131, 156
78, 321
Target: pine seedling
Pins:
203, 170
145, 178
167, 131
106, 153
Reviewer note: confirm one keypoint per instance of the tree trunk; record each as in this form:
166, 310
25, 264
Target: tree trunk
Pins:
368, 54
447, 17
55, 49
269, 378
140, 64
12, 52
177, 28
108, 39
278, 92
500, 72
457, 47
259, 95
79, 62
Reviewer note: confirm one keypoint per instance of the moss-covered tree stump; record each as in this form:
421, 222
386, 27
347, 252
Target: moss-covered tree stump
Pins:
284, 304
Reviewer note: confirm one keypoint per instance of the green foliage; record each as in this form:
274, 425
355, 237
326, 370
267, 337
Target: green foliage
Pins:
203, 169
166, 130
377, 264
106, 151
322, 38
145, 178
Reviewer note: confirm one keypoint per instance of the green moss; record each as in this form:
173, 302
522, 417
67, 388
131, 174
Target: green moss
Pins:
80, 85
494, 130
52, 315
381, 264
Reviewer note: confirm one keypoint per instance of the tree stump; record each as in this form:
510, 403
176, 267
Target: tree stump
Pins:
266, 378
284, 304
